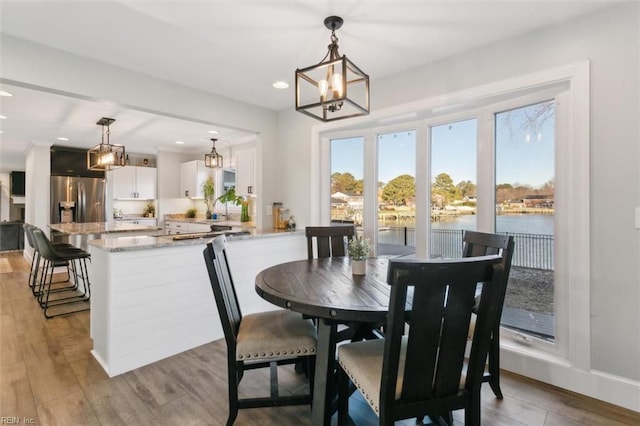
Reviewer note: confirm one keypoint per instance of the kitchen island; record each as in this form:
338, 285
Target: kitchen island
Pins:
79, 234
151, 296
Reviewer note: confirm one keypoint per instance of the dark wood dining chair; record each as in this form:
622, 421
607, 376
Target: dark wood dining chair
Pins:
482, 244
260, 340
421, 373
328, 241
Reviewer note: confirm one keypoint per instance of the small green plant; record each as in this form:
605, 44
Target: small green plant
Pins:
359, 248
209, 191
191, 213
231, 197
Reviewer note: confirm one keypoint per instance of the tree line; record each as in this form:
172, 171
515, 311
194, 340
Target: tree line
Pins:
400, 191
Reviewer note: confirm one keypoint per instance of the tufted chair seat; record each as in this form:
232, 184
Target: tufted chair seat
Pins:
273, 335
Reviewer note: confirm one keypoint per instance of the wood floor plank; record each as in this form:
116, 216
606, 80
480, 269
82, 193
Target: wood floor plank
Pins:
187, 411
513, 408
198, 381
10, 350
153, 385
68, 409
16, 396
114, 402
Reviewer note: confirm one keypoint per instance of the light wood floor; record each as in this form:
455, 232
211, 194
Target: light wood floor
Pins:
48, 375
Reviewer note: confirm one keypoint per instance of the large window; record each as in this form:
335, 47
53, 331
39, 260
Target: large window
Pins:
514, 161
525, 208
453, 185
396, 192
347, 183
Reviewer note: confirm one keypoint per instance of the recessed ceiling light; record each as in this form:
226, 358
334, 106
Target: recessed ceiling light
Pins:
3, 93
180, 142
62, 138
2, 117
213, 132
281, 85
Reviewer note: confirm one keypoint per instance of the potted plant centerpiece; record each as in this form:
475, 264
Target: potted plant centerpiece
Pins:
359, 249
208, 191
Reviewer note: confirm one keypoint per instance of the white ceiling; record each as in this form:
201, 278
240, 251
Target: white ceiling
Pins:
235, 49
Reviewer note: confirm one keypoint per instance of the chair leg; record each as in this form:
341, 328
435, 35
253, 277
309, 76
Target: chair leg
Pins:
311, 372
343, 397
234, 376
472, 411
494, 365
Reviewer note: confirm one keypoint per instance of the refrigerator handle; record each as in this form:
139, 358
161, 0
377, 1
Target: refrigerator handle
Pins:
81, 205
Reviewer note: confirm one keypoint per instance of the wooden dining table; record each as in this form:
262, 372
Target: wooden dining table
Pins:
327, 290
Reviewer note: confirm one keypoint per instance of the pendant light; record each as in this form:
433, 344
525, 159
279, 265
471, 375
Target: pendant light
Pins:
335, 88
105, 156
213, 159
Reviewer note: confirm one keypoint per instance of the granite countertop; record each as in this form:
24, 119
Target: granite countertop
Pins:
100, 227
147, 242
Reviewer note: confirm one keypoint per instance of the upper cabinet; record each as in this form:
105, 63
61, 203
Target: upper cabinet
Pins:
192, 175
245, 172
132, 182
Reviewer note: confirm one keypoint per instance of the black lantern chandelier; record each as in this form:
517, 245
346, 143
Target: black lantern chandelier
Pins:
213, 159
105, 156
335, 88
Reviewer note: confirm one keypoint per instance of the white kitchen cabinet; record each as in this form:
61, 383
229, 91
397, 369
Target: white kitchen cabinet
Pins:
199, 227
192, 175
245, 172
132, 182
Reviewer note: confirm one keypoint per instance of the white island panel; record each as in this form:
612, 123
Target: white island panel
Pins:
153, 303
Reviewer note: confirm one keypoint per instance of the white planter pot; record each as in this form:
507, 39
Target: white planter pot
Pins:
358, 267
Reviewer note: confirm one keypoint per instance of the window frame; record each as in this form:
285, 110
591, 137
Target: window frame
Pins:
571, 184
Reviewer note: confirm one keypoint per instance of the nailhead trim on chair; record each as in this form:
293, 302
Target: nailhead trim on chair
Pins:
264, 355
372, 403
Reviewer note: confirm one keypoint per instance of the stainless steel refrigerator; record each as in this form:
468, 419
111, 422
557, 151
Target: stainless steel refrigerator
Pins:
77, 199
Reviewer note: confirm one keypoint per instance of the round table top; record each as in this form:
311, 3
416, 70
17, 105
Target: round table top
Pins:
326, 288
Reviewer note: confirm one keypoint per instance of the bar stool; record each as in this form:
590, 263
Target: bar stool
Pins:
75, 258
34, 271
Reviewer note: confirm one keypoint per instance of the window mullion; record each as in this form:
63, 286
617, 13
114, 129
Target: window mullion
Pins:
485, 166
370, 205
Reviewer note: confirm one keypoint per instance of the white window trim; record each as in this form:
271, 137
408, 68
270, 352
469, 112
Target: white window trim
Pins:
572, 186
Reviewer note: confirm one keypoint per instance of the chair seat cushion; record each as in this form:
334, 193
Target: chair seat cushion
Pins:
362, 361
275, 334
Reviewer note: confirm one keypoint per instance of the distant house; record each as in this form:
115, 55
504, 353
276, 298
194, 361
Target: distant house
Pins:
355, 201
346, 206
538, 201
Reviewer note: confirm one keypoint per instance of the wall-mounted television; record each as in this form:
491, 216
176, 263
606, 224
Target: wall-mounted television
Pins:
17, 184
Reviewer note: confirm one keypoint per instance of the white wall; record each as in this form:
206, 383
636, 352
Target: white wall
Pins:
610, 39
5, 193
38, 185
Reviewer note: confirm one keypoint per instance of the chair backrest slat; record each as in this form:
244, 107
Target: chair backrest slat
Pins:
330, 240
482, 244
224, 291
442, 304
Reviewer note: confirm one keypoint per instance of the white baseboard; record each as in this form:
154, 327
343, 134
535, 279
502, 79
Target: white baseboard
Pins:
558, 372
